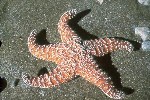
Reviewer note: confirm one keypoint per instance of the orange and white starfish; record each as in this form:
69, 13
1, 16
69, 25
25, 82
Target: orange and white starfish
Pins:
74, 57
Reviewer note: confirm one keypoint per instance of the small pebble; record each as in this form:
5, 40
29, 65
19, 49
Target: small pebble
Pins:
146, 45
100, 1
144, 32
144, 2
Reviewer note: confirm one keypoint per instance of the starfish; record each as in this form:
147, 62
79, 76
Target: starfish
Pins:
74, 57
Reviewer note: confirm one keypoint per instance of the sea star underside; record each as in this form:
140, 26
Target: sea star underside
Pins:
74, 57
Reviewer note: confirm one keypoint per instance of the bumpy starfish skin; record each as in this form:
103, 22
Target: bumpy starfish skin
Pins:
75, 58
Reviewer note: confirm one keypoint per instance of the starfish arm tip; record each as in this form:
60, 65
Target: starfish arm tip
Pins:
119, 95
25, 77
33, 32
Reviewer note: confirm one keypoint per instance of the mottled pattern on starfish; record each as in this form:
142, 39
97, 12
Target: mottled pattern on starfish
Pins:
74, 58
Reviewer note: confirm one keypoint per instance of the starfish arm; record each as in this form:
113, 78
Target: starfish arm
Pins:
101, 46
66, 33
99, 78
60, 74
48, 52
